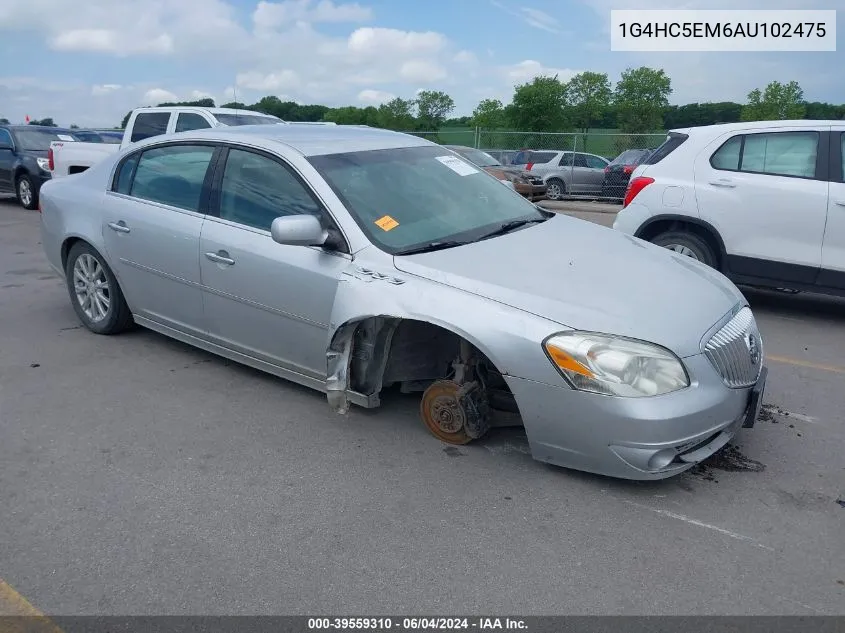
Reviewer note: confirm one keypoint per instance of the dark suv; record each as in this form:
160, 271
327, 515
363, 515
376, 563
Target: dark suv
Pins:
24, 165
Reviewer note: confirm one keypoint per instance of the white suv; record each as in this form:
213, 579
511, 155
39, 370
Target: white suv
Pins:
763, 202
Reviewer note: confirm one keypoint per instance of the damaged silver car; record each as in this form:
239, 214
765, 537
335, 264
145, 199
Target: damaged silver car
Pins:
351, 260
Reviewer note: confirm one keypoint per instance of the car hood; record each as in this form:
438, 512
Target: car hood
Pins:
501, 170
588, 277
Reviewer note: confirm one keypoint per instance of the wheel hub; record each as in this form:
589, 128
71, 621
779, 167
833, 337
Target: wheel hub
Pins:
447, 414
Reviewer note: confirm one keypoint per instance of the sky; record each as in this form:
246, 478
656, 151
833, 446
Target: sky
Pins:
88, 62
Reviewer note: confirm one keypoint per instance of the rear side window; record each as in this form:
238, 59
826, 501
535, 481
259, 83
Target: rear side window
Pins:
565, 161
149, 124
172, 175
672, 142
190, 121
775, 154
123, 178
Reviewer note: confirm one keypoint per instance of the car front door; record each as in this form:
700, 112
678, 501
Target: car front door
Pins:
594, 173
766, 193
832, 274
270, 301
151, 229
7, 162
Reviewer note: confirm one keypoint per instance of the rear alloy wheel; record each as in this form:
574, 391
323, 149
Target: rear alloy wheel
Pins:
687, 244
555, 189
25, 190
94, 293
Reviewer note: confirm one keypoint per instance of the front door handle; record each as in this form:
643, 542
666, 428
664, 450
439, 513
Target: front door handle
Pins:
841, 203
221, 257
120, 227
723, 182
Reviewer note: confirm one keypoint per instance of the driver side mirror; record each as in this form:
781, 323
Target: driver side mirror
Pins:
5, 145
298, 230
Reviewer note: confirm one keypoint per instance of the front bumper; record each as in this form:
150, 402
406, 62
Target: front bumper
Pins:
532, 192
635, 438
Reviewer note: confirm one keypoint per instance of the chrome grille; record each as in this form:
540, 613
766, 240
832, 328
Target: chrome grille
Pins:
731, 350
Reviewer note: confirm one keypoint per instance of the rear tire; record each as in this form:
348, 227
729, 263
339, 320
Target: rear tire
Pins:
555, 189
26, 192
688, 244
94, 292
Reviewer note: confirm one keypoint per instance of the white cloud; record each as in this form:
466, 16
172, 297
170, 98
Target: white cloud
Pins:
154, 96
529, 69
104, 89
465, 57
422, 71
375, 97
272, 15
532, 17
270, 82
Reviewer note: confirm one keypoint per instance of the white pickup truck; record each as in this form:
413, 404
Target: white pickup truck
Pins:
73, 157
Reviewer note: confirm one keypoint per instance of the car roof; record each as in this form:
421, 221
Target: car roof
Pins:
242, 112
25, 126
310, 140
720, 128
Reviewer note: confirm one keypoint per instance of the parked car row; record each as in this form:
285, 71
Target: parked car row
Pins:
352, 259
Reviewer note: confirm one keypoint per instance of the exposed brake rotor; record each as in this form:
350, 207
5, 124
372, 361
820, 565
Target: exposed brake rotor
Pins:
453, 413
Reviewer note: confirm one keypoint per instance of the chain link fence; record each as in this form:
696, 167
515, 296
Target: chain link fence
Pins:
562, 158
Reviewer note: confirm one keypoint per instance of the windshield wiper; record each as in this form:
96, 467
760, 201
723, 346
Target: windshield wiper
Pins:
507, 227
431, 246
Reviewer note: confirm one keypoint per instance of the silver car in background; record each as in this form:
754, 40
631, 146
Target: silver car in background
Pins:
352, 260
566, 173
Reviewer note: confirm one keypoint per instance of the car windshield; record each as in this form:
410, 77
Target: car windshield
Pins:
40, 139
409, 197
476, 156
246, 119
630, 157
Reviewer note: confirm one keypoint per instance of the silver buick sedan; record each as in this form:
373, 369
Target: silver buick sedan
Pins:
353, 260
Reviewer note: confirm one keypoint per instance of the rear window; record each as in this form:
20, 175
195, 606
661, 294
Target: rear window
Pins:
631, 157
673, 141
523, 158
149, 124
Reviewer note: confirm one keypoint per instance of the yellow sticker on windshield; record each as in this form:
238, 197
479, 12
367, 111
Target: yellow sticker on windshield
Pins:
386, 223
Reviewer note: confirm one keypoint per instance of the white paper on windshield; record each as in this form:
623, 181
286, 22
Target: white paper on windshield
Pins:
462, 168
64, 137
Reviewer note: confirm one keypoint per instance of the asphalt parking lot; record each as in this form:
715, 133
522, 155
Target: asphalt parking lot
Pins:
140, 476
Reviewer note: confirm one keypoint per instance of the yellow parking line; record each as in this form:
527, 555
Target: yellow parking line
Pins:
805, 363
18, 615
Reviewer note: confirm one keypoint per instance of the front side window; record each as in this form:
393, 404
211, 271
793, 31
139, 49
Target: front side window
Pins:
5, 138
257, 189
191, 121
594, 162
172, 175
412, 196
149, 124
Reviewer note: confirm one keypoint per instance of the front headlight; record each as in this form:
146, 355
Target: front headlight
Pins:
615, 366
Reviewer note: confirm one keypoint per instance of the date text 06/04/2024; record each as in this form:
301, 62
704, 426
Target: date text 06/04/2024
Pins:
415, 624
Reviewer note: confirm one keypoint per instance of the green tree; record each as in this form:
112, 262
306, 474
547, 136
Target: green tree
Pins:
777, 102
4, 120
641, 97
538, 106
489, 114
236, 105
207, 102
74, 126
588, 96
433, 106
396, 114
48, 122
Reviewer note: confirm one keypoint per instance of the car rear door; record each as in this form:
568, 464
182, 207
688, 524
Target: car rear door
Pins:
267, 300
766, 192
832, 273
151, 228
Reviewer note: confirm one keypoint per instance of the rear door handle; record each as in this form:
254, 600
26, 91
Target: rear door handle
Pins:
841, 203
120, 227
723, 182
221, 257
